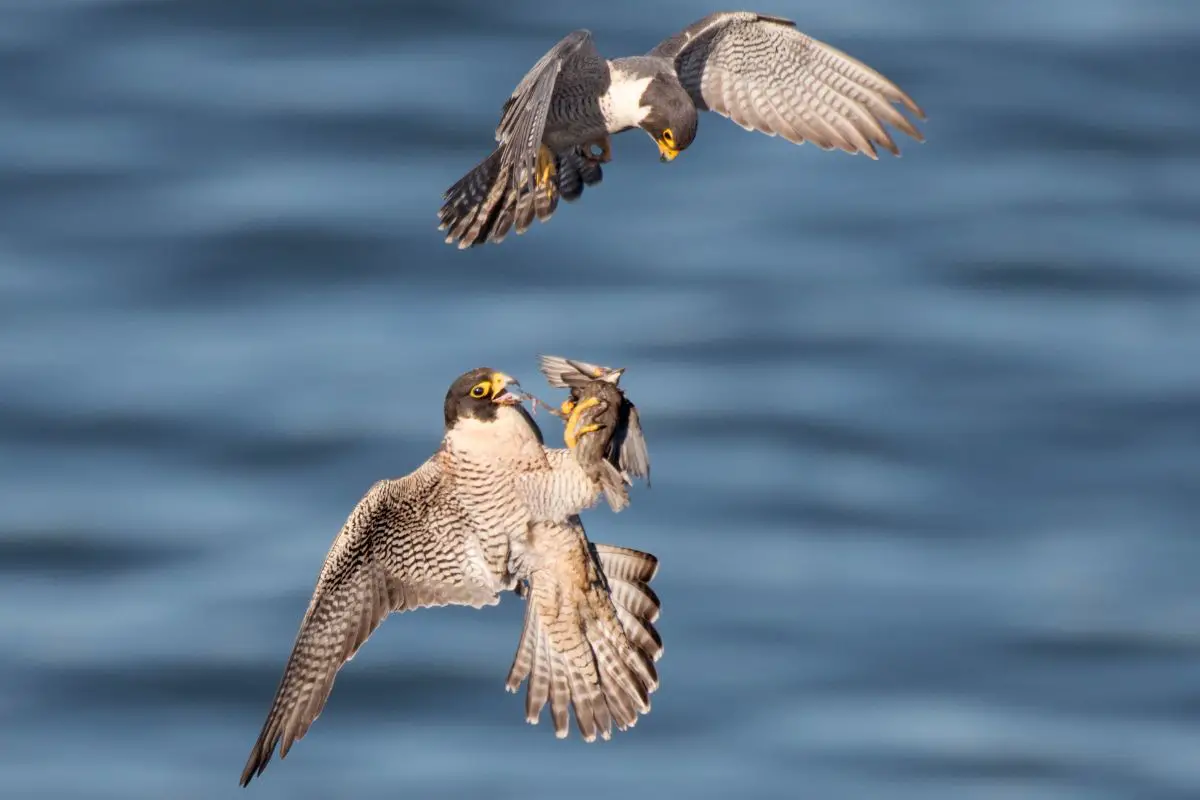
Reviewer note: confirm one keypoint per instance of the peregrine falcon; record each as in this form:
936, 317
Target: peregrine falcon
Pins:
758, 70
492, 510
595, 386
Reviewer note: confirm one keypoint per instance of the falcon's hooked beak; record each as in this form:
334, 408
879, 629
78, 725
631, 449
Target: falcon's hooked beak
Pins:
665, 151
500, 394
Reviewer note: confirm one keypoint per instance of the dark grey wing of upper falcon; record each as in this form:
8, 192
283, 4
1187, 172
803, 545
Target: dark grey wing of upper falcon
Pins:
400, 549
501, 192
573, 61
765, 75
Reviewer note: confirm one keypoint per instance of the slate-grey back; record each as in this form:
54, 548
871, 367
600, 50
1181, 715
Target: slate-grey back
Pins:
755, 69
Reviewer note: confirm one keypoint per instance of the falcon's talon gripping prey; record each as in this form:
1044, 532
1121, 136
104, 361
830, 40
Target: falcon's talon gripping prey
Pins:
573, 430
621, 437
757, 70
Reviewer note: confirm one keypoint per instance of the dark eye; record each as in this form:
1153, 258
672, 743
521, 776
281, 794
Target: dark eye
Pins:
480, 389
669, 136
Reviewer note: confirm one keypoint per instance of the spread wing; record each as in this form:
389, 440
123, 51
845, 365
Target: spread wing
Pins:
562, 373
403, 547
523, 120
767, 76
633, 458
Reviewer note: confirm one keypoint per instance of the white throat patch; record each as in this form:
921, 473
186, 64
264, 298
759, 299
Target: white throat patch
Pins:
622, 104
509, 435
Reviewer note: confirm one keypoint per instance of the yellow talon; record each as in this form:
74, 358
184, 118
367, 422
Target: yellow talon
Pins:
570, 435
572, 439
545, 167
566, 407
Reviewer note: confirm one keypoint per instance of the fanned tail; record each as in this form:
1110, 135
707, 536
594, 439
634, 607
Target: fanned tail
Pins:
606, 674
486, 203
471, 205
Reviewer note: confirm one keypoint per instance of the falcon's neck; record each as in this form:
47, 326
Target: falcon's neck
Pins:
511, 435
622, 103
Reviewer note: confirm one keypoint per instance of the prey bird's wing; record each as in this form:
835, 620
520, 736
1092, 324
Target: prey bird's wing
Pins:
405, 546
767, 76
632, 455
523, 120
562, 373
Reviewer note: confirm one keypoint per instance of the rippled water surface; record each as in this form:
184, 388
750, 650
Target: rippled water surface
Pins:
925, 431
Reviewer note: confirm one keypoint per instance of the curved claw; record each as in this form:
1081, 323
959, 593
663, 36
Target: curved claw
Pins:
570, 434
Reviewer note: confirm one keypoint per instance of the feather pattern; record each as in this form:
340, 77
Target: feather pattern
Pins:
765, 75
406, 545
462, 528
556, 105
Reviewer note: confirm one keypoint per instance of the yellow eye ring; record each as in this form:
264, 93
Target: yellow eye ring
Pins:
668, 136
480, 389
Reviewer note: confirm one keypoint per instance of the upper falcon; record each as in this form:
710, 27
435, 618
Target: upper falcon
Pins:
758, 70
492, 510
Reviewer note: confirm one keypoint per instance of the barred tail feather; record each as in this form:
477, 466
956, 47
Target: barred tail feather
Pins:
591, 651
625, 563
467, 199
487, 203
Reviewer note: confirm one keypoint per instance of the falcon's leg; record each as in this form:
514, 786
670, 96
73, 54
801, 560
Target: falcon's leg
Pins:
605, 155
571, 435
545, 167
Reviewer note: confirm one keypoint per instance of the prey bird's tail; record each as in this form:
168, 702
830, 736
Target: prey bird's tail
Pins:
489, 201
613, 484
589, 644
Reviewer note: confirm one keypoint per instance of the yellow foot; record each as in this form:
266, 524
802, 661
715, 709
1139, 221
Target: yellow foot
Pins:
574, 440
571, 435
566, 408
545, 167
605, 154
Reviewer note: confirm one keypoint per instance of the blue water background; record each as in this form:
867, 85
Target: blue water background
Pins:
925, 431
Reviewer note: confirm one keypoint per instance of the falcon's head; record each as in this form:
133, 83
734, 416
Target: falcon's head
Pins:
482, 394
672, 119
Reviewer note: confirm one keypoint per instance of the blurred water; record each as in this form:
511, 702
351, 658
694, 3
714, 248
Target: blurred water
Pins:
924, 431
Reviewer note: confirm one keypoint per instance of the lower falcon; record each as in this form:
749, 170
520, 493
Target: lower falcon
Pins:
492, 510
758, 70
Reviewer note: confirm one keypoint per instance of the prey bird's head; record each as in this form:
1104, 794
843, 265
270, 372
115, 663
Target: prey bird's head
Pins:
672, 119
480, 394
